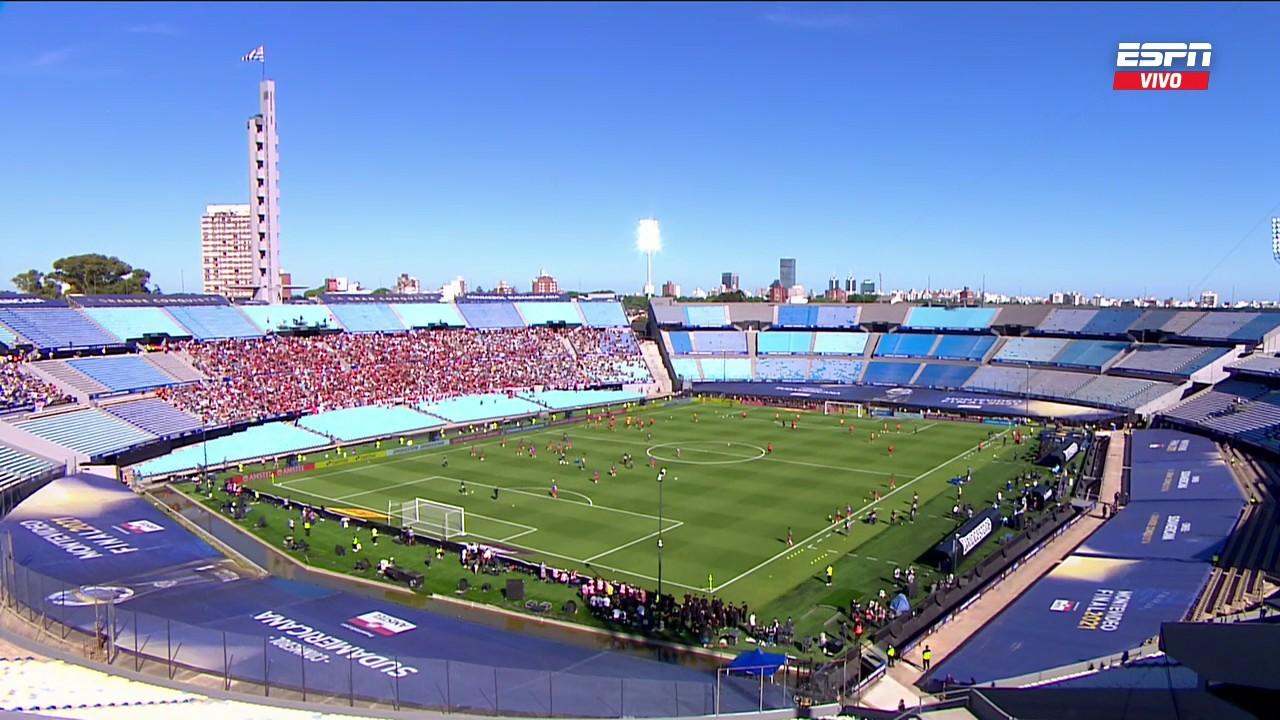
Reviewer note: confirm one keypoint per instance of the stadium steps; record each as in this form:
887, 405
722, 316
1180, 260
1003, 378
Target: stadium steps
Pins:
65, 378
176, 365
652, 354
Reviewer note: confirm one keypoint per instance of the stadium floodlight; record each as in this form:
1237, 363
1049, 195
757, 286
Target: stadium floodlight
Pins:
648, 241
1275, 238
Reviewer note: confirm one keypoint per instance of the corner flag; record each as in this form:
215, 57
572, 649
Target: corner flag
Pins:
258, 54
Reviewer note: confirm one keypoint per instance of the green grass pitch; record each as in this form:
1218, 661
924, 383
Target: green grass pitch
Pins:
727, 501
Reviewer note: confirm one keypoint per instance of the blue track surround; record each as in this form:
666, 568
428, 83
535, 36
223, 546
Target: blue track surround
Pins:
1189, 530
1170, 465
1085, 608
171, 590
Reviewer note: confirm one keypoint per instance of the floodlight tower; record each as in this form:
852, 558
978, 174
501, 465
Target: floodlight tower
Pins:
648, 241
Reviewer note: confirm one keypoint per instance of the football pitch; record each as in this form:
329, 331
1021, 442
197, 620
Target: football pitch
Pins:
728, 502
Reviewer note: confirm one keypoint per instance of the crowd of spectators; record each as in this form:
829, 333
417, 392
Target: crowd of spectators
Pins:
19, 390
271, 376
610, 356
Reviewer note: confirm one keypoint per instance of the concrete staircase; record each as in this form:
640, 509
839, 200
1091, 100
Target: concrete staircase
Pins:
653, 358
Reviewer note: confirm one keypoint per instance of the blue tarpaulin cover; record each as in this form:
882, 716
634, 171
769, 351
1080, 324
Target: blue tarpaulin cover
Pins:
757, 662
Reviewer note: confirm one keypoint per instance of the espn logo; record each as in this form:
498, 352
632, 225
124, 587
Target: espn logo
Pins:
382, 624
140, 527
1162, 55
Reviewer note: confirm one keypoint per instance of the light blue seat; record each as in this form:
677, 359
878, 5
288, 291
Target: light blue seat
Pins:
123, 373
490, 315
797, 316
156, 417
261, 441
711, 316
214, 322
837, 316
726, 369
1177, 360
905, 345
570, 399
1093, 354
1066, 320
944, 376
836, 371
720, 342
547, 313
284, 317
1029, 350
471, 408
603, 313
681, 343
784, 342
834, 343
90, 431
370, 421
426, 315
56, 328
17, 466
136, 323
367, 317
782, 369
963, 347
1112, 322
8, 338
936, 318
882, 373
687, 368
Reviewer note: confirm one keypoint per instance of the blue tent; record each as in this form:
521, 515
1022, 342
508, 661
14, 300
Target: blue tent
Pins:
757, 662
900, 605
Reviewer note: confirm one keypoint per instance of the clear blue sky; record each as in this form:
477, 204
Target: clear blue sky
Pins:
938, 141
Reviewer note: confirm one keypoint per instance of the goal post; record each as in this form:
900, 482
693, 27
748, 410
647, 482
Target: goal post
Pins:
836, 407
430, 518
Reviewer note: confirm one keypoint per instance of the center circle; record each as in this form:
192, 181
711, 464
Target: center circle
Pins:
704, 448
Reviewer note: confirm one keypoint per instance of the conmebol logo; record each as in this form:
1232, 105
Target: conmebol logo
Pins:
382, 623
1163, 55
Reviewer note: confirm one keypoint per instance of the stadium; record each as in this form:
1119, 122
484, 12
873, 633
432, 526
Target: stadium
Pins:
426, 500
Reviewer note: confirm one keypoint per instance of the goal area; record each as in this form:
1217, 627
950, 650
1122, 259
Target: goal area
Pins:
835, 407
430, 518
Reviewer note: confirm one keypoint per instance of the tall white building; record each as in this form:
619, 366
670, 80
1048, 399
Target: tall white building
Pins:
1209, 299
226, 251
264, 196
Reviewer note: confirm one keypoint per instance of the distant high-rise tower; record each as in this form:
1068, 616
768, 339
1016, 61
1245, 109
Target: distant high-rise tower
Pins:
226, 251
833, 283
264, 196
729, 281
851, 284
787, 272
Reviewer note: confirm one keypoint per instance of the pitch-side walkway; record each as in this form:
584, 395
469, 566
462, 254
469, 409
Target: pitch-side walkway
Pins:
993, 601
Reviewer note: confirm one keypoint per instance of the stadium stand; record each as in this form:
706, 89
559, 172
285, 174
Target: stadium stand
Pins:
173, 364
1112, 323
963, 347
797, 316
7, 338
1255, 330
271, 318
570, 399
784, 342
67, 376
214, 322
904, 345
56, 328
782, 369
833, 343
603, 314
936, 318
155, 416
17, 466
888, 373
1182, 320
367, 317
686, 368
1152, 321
490, 315
836, 371
1065, 320
726, 368
471, 408
428, 315
549, 313
666, 313
122, 373
1218, 325
710, 316
1129, 393
89, 431
609, 356
269, 440
759, 314
1092, 354
719, 342
1168, 360
21, 391
370, 421
1260, 365
1037, 351
944, 376
136, 323
1021, 316
681, 342
836, 316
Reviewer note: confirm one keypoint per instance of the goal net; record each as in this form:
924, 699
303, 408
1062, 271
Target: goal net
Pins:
835, 407
432, 519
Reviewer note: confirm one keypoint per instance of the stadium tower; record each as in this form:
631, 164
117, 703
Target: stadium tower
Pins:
264, 196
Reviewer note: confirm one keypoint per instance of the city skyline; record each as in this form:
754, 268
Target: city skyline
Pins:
454, 182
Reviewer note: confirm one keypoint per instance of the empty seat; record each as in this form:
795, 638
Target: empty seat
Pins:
56, 328
214, 322
491, 315
136, 323
90, 431
367, 317
598, 313
549, 313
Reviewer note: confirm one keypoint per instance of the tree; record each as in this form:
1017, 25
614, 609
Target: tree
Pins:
33, 282
382, 291
92, 274
315, 291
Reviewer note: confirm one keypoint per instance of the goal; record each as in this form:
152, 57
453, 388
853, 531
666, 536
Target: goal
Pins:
430, 518
835, 407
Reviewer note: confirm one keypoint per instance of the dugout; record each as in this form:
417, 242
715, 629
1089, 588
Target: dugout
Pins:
967, 538
1039, 496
